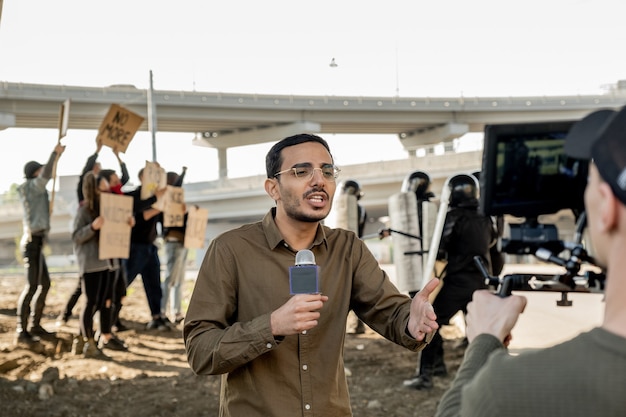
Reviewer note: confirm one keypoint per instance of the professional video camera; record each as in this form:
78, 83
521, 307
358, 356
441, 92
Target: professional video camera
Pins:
526, 174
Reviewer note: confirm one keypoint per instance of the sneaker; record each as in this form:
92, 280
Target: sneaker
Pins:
90, 350
421, 382
114, 343
179, 319
157, 324
167, 323
42, 333
27, 338
119, 326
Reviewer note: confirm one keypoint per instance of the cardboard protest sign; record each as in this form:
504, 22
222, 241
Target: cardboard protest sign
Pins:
196, 227
119, 127
153, 178
174, 207
115, 232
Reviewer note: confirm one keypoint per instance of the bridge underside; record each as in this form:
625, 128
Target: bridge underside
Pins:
224, 120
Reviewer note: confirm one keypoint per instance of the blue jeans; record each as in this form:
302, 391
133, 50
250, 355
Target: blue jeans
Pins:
171, 287
144, 260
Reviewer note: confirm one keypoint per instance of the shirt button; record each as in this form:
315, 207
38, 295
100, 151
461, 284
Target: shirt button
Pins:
307, 406
269, 345
304, 332
305, 367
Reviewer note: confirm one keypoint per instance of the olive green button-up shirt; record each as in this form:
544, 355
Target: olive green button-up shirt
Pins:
244, 277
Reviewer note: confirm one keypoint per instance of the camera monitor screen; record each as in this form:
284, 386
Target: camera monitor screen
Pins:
525, 172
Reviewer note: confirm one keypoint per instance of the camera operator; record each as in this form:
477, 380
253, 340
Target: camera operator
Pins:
586, 375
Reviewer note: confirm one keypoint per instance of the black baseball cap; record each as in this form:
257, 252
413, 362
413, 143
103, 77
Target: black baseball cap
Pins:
30, 168
601, 136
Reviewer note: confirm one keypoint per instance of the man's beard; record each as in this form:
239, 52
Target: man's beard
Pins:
307, 218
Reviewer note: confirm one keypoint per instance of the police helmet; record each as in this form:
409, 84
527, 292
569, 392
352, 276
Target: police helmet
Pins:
463, 191
417, 182
351, 187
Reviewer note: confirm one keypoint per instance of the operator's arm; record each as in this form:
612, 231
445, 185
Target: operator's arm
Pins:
475, 357
490, 320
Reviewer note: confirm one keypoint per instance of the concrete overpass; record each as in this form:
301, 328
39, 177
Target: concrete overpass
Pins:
225, 120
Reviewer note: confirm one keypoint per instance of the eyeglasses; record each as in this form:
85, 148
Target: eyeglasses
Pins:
329, 172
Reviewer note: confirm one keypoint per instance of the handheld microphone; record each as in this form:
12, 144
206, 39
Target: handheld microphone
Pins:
304, 275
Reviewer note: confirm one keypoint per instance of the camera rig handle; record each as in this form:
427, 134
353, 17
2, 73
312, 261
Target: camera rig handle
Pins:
503, 286
570, 281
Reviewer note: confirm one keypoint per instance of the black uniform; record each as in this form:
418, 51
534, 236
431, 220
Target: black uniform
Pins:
466, 234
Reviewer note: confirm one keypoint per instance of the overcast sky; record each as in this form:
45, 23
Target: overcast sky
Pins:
407, 48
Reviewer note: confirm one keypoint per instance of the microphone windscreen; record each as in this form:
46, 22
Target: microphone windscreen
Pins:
305, 257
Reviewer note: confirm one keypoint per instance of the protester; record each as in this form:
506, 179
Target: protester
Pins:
466, 234
282, 354
97, 275
144, 257
119, 286
586, 375
91, 165
176, 256
115, 185
36, 221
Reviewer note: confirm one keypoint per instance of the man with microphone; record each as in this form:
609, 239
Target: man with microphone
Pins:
279, 346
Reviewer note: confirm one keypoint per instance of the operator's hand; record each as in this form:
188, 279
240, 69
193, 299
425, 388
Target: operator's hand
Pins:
491, 314
422, 321
298, 314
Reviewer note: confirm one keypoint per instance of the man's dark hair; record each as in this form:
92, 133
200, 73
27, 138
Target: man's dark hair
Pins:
273, 159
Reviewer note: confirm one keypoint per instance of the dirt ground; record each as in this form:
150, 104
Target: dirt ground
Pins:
153, 379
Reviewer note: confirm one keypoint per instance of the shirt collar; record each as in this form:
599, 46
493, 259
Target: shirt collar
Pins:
274, 238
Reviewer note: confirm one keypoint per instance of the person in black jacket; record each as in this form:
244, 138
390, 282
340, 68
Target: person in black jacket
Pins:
466, 234
144, 257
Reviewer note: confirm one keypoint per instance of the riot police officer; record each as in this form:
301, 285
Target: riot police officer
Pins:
466, 234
